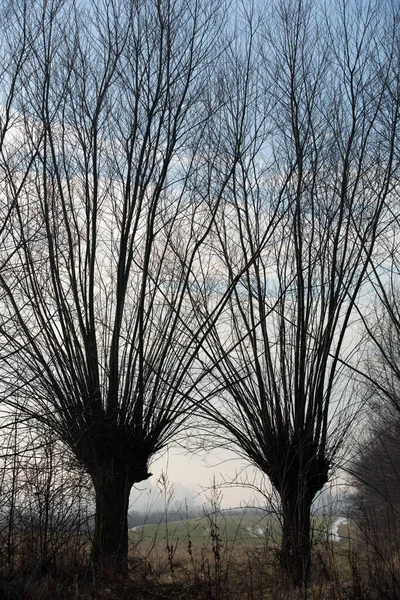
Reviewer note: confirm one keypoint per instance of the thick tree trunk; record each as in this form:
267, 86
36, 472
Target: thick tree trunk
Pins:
299, 472
110, 539
115, 462
296, 540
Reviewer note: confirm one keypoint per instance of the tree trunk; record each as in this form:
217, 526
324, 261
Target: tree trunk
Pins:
110, 539
115, 462
296, 541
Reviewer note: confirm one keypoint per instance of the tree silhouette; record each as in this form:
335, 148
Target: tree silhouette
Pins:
114, 195
330, 166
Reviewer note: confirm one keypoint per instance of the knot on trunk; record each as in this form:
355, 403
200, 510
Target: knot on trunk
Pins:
114, 454
298, 470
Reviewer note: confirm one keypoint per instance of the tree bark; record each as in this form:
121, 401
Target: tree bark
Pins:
296, 540
299, 473
110, 538
114, 461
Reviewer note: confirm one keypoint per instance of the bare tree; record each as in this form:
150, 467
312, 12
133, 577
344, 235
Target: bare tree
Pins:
375, 467
374, 464
14, 53
276, 395
119, 105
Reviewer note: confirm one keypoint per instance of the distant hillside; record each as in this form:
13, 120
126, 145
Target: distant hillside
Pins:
137, 518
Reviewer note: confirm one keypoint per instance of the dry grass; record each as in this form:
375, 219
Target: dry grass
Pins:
213, 567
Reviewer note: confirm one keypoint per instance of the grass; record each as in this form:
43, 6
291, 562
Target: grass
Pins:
237, 554
251, 529
227, 557
219, 556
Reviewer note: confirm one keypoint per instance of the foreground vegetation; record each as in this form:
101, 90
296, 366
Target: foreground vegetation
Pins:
217, 556
45, 554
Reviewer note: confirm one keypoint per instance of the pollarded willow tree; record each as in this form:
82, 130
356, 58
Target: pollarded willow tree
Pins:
276, 396
119, 120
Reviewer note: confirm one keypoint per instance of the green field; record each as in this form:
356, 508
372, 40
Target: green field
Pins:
253, 529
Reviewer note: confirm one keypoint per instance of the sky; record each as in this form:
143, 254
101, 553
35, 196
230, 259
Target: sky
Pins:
189, 480
188, 484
